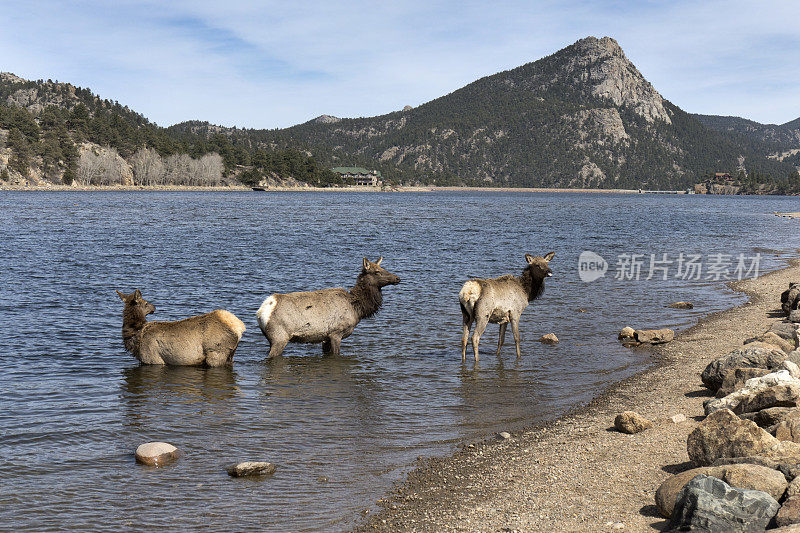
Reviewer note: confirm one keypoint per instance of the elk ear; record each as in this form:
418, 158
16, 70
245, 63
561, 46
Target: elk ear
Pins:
529, 258
378, 262
137, 295
549, 256
121, 296
366, 264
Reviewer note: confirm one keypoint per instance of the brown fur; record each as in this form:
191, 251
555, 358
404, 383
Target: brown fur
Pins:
501, 301
210, 339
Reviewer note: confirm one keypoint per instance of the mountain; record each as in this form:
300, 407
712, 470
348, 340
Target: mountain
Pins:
582, 117
53, 132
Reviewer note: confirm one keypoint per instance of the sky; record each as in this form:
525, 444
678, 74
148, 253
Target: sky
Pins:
265, 64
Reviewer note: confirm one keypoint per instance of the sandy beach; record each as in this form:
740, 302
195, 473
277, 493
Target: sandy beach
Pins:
577, 473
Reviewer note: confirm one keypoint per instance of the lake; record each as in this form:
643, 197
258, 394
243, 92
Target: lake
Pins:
341, 430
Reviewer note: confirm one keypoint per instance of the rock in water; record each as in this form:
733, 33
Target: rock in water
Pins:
251, 468
156, 453
627, 333
681, 305
747, 357
789, 512
654, 336
741, 476
631, 422
550, 338
723, 434
709, 504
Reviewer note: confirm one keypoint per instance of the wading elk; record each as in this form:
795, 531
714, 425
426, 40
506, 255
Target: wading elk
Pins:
210, 339
326, 315
500, 301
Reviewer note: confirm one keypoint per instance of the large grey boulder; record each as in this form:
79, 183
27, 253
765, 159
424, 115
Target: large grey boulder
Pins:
758, 357
776, 389
790, 298
785, 330
723, 434
767, 418
741, 476
709, 504
251, 469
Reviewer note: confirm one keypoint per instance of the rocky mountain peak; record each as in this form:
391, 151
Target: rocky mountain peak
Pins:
593, 48
327, 119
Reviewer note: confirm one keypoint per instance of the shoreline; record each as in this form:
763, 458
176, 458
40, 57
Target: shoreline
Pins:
353, 188
576, 473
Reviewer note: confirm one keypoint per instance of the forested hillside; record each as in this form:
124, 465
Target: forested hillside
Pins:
59, 133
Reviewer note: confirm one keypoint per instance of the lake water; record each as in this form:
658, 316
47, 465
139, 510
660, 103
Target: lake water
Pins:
74, 405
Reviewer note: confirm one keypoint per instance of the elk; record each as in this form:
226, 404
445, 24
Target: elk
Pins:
210, 339
326, 315
501, 301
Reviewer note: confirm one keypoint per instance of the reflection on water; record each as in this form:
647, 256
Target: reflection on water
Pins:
74, 406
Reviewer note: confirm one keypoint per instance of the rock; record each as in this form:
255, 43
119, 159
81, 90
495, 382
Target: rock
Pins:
785, 330
677, 419
776, 389
793, 489
550, 338
789, 513
251, 468
723, 434
768, 417
790, 298
752, 357
741, 476
794, 316
788, 428
751, 460
771, 337
791, 367
736, 378
156, 453
627, 333
709, 504
681, 305
631, 422
794, 528
794, 357
503, 435
654, 336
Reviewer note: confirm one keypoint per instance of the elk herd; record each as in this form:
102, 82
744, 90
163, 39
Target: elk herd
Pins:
323, 316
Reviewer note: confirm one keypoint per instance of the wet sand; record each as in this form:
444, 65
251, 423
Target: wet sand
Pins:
577, 473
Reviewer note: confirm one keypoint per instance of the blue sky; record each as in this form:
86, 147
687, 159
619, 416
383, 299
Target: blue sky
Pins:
274, 64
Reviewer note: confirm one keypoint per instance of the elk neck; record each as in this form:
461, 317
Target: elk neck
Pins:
533, 287
132, 323
366, 297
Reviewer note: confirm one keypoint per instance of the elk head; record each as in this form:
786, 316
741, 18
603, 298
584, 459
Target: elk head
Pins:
136, 303
375, 273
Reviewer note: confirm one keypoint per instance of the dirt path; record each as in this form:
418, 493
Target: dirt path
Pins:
576, 474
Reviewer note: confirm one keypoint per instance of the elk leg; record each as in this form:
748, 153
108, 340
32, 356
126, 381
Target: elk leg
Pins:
502, 338
465, 338
515, 331
480, 327
276, 347
333, 343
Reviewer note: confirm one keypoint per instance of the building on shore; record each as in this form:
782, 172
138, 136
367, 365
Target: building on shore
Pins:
359, 176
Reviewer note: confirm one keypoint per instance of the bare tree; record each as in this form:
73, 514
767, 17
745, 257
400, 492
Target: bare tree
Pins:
102, 166
148, 167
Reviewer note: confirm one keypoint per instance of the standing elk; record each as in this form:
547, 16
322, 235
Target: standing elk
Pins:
210, 339
500, 301
326, 315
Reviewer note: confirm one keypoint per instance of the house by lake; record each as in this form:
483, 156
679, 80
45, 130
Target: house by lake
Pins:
359, 176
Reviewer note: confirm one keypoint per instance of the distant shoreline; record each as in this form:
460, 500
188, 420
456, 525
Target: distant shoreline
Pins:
410, 188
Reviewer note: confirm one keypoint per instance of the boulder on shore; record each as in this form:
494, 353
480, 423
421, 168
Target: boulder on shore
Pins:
654, 336
709, 504
251, 468
156, 453
736, 378
626, 334
631, 422
776, 389
741, 476
714, 373
789, 513
723, 434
